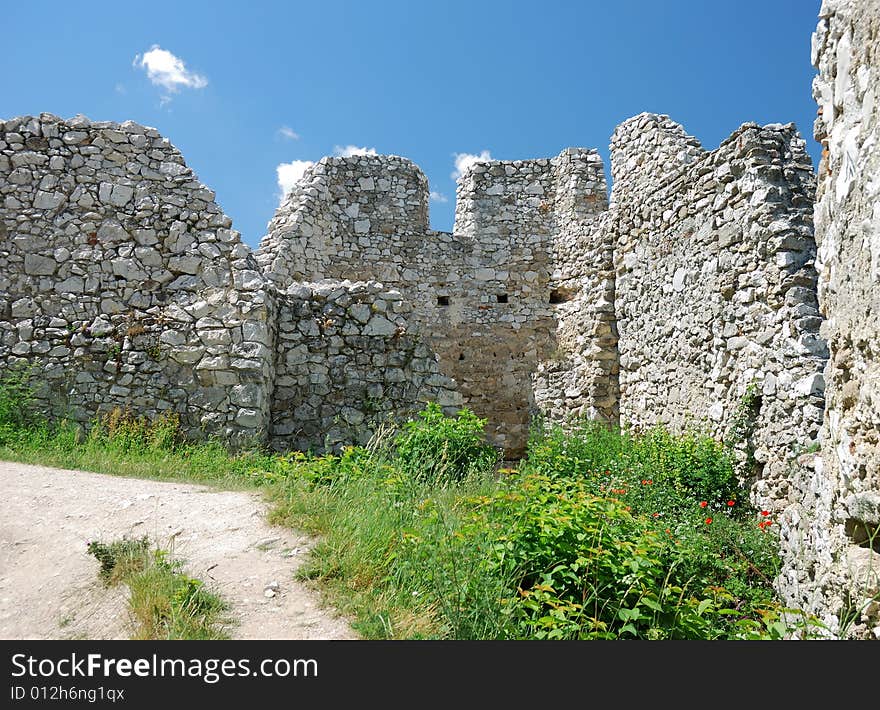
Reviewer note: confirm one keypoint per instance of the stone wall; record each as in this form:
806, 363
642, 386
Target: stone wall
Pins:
524, 268
125, 281
715, 287
124, 284
362, 217
830, 566
580, 378
122, 281
348, 359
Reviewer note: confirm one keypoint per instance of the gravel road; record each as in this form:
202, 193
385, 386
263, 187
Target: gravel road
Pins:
49, 584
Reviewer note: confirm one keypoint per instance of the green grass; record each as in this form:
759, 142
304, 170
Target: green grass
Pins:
365, 518
598, 533
65, 446
165, 603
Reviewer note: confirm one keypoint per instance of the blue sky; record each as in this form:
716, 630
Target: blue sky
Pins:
241, 88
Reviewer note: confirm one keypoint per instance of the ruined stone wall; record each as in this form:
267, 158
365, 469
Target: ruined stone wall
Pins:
362, 217
831, 541
580, 378
122, 282
534, 227
715, 286
484, 296
349, 359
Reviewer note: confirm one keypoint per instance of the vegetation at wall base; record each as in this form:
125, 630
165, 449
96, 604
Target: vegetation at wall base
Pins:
597, 534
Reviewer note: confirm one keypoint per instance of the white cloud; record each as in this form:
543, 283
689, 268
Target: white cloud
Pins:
290, 173
350, 150
464, 160
288, 133
165, 70
438, 196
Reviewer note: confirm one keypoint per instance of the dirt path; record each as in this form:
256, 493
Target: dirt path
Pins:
49, 586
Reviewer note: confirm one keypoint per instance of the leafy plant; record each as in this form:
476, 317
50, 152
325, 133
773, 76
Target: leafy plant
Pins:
120, 558
435, 447
122, 430
741, 429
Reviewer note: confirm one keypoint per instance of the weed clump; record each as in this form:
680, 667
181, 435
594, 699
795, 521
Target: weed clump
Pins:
121, 558
19, 412
165, 602
434, 447
121, 430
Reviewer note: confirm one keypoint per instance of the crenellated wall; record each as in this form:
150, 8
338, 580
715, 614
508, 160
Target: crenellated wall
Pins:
123, 284
158, 305
361, 217
520, 282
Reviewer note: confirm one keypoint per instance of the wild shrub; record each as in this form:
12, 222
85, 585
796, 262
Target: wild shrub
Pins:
434, 447
691, 464
699, 464
579, 566
120, 558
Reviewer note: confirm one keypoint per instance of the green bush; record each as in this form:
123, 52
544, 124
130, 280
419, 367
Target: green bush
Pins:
572, 565
696, 462
120, 558
434, 447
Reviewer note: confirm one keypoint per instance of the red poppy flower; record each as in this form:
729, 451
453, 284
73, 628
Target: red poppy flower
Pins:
708, 521
650, 481
765, 513
656, 515
731, 503
703, 504
644, 481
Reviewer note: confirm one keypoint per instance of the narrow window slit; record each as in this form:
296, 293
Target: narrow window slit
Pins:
561, 295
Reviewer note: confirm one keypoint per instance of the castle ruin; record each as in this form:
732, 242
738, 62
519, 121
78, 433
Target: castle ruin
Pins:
694, 290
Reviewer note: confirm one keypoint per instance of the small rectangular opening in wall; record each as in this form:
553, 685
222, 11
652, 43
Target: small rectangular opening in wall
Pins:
442, 300
561, 295
502, 297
